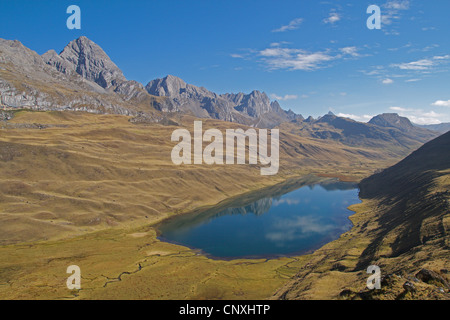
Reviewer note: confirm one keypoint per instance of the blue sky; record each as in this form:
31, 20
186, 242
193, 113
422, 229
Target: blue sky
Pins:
311, 56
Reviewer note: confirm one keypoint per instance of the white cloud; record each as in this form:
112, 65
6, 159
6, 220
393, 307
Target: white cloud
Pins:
441, 103
298, 59
363, 118
294, 24
420, 116
442, 57
426, 118
283, 98
293, 59
397, 4
387, 81
332, 18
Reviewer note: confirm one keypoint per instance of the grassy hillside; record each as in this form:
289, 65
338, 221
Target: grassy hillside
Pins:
86, 189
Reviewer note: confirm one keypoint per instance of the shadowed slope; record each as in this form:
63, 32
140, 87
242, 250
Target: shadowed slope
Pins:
402, 226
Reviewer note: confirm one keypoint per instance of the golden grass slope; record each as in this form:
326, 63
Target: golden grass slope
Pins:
85, 172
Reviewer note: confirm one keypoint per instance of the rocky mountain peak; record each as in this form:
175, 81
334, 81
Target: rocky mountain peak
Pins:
88, 59
255, 104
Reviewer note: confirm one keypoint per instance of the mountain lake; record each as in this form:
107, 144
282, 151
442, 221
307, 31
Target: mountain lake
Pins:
290, 219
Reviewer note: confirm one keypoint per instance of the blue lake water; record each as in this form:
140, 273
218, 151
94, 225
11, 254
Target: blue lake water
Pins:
285, 221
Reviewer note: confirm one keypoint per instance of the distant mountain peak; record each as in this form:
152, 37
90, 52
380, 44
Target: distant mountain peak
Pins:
169, 86
392, 120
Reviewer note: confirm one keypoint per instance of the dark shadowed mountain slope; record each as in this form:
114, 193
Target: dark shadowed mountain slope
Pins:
427, 161
402, 226
415, 194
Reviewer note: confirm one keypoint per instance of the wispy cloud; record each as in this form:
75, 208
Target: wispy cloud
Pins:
283, 98
294, 24
412, 70
422, 64
333, 17
392, 10
400, 109
277, 44
412, 80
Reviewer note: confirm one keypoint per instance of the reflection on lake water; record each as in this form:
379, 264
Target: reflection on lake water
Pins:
292, 218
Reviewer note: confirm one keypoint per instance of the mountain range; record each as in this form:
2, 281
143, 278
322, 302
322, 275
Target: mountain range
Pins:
83, 78
389, 131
